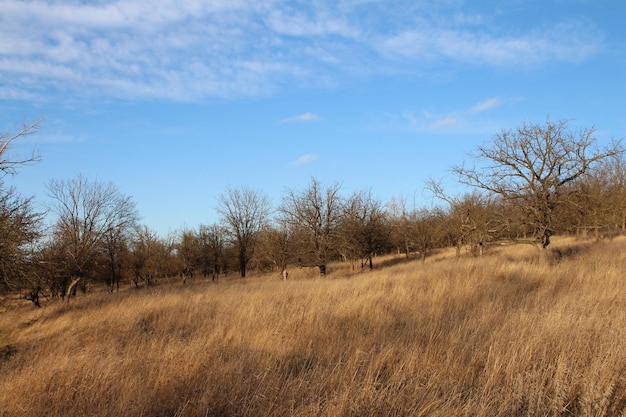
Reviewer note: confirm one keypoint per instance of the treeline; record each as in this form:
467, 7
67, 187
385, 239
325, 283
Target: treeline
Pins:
535, 181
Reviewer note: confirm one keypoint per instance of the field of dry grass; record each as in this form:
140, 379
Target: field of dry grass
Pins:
498, 336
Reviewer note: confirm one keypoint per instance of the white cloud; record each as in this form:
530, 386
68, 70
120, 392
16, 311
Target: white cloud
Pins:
427, 121
301, 24
479, 47
304, 159
305, 117
444, 122
486, 105
191, 50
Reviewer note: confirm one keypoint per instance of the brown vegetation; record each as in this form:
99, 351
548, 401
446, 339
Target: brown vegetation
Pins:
500, 335
530, 183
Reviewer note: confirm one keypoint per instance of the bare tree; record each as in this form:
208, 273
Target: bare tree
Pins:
471, 218
275, 250
244, 212
152, 257
8, 164
598, 201
211, 241
614, 169
415, 229
531, 165
116, 242
20, 227
20, 224
426, 227
188, 252
316, 211
88, 213
363, 228
401, 225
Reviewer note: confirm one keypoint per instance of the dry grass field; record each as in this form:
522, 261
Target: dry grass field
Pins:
499, 336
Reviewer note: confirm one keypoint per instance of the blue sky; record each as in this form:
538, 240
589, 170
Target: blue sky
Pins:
174, 101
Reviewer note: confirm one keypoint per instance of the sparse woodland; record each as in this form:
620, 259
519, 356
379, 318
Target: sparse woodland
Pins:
508, 300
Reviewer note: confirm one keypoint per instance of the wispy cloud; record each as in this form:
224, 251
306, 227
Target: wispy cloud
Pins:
305, 117
431, 122
304, 159
320, 23
444, 122
190, 50
486, 105
433, 44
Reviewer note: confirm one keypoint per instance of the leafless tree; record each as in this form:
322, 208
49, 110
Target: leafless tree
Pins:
116, 242
8, 164
88, 213
363, 228
211, 241
415, 229
20, 224
188, 252
401, 225
316, 212
275, 247
530, 166
244, 212
152, 257
20, 227
614, 169
426, 227
471, 217
597, 201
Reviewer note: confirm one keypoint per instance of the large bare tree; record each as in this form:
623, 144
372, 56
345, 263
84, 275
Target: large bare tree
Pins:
90, 214
530, 166
245, 211
316, 211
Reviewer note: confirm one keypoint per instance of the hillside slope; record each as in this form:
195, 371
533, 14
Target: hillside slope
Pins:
501, 335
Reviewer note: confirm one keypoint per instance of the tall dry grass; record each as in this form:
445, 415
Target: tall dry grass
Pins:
498, 336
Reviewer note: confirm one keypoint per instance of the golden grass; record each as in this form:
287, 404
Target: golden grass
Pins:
497, 336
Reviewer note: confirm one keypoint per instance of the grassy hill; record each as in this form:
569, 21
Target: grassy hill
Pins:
502, 335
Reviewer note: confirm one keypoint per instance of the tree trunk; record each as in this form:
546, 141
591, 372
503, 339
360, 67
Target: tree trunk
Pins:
243, 260
34, 296
242, 268
542, 253
112, 264
71, 289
